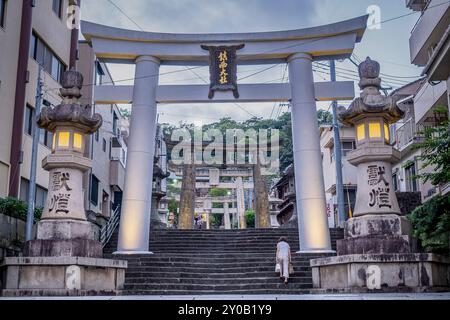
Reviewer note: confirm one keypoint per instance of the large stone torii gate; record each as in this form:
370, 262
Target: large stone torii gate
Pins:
298, 48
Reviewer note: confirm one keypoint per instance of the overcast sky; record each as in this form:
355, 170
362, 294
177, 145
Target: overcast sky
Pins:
389, 45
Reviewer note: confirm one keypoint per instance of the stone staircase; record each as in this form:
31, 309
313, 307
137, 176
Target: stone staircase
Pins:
200, 262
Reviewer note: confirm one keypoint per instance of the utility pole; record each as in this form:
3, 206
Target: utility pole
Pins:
337, 154
34, 152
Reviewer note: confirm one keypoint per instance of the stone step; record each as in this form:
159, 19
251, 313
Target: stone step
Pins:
212, 255
212, 281
196, 262
217, 287
224, 236
212, 270
189, 275
212, 265
286, 291
222, 261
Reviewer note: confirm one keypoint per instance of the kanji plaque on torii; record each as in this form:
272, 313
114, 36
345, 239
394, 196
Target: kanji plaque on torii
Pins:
223, 69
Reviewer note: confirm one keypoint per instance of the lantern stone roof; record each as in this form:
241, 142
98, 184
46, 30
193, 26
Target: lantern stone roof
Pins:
70, 112
371, 100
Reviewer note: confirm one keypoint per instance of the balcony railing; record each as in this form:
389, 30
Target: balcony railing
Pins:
405, 134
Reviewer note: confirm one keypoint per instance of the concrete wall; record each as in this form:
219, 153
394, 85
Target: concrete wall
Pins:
12, 235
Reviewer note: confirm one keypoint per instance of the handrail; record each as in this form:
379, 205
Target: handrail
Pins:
108, 229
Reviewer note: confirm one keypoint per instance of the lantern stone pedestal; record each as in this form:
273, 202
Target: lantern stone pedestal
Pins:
378, 253
65, 259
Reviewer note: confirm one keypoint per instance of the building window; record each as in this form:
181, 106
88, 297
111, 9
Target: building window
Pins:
410, 177
94, 190
57, 8
99, 73
115, 124
24, 186
348, 146
40, 196
395, 181
47, 58
104, 145
2, 13
97, 134
29, 118
46, 138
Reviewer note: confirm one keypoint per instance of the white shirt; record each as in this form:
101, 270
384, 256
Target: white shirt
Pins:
283, 250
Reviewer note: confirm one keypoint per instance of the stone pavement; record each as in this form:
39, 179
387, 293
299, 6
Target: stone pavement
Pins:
306, 297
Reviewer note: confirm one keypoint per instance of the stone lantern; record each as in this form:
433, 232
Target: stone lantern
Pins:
64, 221
378, 252
376, 212
66, 256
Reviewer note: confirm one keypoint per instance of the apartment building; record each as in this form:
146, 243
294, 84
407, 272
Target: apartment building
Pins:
430, 49
404, 137
32, 33
284, 189
349, 172
107, 148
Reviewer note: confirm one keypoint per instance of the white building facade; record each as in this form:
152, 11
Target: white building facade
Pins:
430, 49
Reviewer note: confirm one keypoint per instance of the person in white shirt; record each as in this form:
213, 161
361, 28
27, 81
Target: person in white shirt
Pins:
284, 258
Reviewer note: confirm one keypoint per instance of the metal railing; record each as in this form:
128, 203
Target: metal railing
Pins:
405, 134
109, 228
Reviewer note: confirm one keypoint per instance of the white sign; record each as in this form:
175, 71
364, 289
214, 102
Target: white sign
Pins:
330, 213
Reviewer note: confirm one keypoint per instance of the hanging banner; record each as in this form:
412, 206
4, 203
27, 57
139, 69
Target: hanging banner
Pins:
223, 69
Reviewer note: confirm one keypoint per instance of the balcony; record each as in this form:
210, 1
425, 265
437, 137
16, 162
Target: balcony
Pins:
428, 31
427, 98
404, 135
417, 5
116, 174
118, 139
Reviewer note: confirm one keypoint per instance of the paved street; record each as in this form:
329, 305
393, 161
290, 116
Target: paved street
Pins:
375, 296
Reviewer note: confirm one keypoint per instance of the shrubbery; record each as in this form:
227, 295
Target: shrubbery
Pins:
250, 218
431, 223
17, 209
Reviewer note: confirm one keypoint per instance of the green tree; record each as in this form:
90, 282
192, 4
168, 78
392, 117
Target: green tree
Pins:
126, 113
324, 117
431, 220
18, 209
250, 218
435, 154
218, 192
